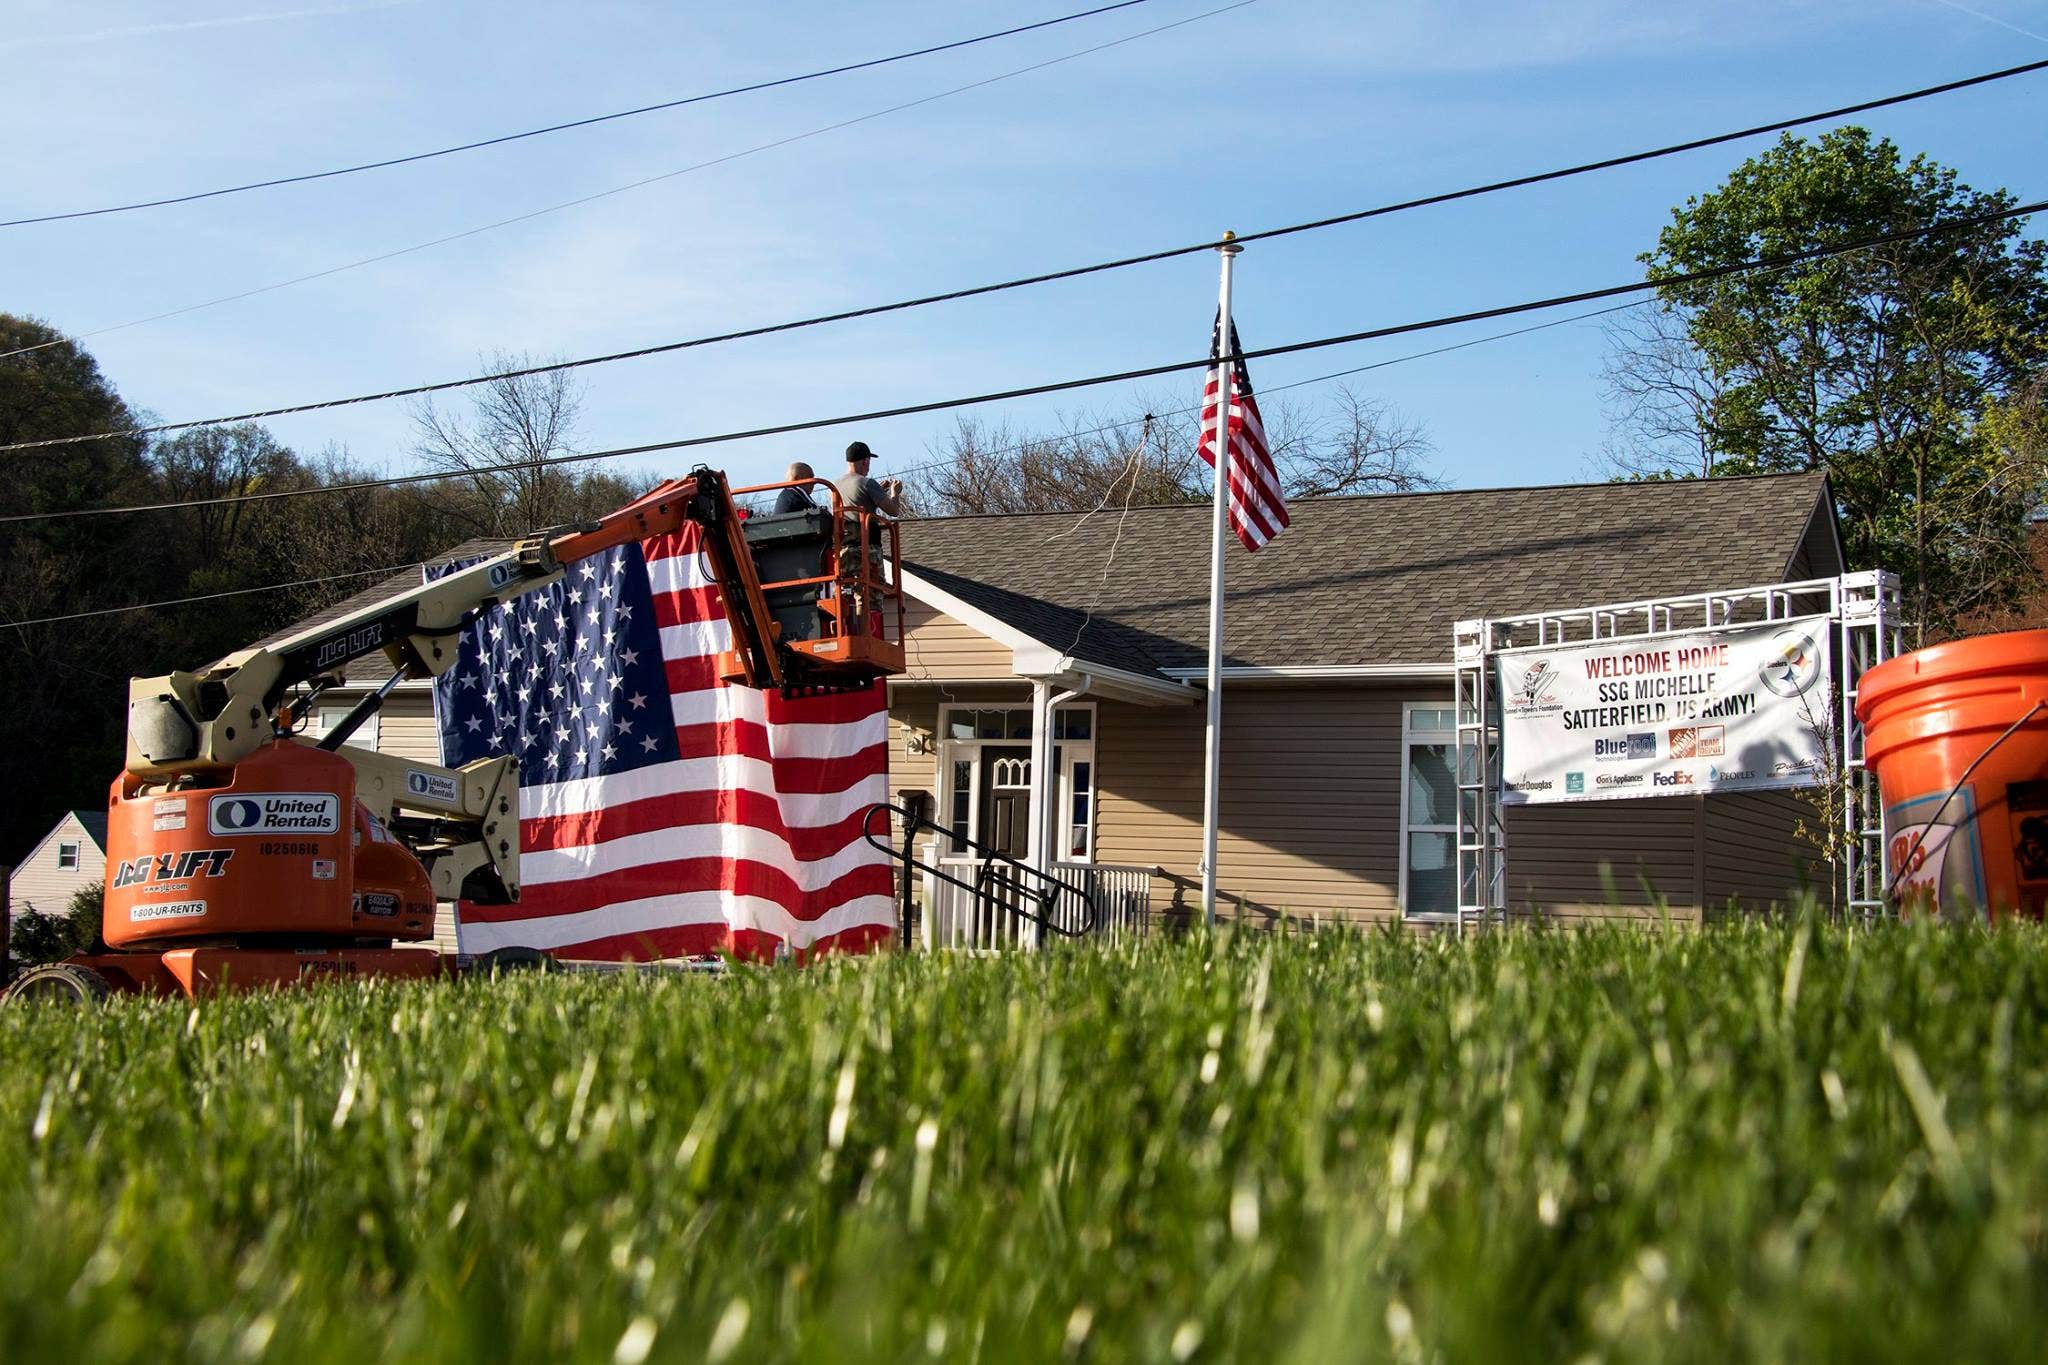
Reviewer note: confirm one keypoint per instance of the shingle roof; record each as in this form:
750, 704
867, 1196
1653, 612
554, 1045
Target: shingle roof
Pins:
95, 822
372, 669
1354, 580
1364, 580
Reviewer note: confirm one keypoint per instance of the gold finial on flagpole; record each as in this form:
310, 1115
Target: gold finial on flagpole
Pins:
1228, 246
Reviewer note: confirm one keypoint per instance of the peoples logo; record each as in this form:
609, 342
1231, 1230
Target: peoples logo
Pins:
1793, 665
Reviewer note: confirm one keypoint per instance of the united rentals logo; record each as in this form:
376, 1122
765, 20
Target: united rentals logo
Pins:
1793, 665
275, 813
1698, 741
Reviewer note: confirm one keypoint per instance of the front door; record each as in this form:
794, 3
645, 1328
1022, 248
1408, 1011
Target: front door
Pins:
1006, 798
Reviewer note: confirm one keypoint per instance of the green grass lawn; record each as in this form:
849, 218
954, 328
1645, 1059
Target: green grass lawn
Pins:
1756, 1141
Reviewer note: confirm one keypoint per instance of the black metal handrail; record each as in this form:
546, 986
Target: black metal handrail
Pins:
1044, 889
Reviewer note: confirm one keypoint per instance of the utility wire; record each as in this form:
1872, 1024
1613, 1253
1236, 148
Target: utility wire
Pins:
203, 597
1048, 277
573, 123
1778, 262
593, 197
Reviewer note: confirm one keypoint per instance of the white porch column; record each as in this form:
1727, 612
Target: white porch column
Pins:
1044, 788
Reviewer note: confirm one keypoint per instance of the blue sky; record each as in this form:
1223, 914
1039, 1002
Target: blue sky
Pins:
1272, 113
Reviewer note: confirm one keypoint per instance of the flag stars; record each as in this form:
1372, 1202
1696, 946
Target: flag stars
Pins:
647, 743
575, 597
628, 657
609, 752
588, 569
638, 701
473, 724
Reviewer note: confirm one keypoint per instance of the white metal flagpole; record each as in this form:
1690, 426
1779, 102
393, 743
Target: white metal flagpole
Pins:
1212, 770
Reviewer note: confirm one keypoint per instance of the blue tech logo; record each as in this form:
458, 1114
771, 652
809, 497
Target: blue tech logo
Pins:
1642, 746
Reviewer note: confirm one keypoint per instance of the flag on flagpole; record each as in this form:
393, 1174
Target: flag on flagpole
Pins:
1258, 511
662, 812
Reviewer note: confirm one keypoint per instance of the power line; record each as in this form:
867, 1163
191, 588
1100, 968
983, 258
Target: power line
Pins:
1778, 262
203, 597
1270, 389
645, 181
1145, 421
1049, 277
573, 123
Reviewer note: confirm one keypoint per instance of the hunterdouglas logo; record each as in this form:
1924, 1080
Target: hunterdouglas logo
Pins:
275, 813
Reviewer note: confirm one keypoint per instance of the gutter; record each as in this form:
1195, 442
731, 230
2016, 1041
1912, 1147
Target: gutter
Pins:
1397, 672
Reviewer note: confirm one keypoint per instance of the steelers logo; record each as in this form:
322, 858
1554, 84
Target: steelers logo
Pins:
1793, 665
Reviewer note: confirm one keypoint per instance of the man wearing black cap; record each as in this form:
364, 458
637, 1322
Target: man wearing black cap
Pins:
858, 492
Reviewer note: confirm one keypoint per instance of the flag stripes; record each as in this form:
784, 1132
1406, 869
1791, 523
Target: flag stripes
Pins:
738, 828
1257, 507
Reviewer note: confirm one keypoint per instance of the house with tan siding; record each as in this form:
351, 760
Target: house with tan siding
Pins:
1337, 742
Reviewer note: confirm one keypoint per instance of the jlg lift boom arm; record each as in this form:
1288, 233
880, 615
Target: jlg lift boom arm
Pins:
211, 717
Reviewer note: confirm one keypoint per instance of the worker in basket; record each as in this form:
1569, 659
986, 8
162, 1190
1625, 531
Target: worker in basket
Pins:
860, 493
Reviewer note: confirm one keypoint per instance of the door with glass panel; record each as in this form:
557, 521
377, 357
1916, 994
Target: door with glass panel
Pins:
985, 767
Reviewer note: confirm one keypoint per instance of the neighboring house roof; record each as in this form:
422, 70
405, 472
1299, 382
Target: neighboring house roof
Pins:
372, 669
95, 822
1358, 581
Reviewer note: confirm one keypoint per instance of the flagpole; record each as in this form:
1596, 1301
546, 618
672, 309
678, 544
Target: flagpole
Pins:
1212, 769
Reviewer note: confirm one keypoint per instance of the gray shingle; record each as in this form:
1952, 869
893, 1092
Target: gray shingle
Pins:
1361, 580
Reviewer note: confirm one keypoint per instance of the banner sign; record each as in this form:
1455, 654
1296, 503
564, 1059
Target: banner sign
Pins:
1743, 708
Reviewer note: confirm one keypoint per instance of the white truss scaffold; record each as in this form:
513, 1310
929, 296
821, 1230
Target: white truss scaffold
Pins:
1863, 612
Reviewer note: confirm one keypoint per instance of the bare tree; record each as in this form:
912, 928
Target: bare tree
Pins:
1660, 393
501, 447
1354, 445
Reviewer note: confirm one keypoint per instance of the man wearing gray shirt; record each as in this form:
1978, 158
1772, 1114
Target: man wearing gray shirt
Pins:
859, 493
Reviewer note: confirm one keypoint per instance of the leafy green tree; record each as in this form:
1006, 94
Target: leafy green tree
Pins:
1878, 366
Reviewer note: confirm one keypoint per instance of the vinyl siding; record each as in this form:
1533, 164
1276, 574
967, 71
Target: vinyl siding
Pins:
936, 645
1755, 853
40, 885
406, 729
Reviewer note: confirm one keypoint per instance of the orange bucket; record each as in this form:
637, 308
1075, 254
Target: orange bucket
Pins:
1965, 802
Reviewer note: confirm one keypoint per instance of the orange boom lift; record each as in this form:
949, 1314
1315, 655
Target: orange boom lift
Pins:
239, 852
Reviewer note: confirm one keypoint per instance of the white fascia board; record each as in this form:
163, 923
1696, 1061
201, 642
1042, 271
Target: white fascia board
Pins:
971, 616
360, 690
1321, 672
1032, 658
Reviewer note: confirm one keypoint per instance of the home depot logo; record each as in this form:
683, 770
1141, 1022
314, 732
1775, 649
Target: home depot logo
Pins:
1698, 741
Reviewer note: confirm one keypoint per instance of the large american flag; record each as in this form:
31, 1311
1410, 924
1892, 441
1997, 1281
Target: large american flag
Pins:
1258, 512
663, 813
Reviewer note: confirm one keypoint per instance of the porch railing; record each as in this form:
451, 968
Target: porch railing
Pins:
1109, 900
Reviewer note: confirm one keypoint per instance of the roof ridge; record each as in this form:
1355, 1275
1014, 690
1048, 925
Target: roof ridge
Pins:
1787, 476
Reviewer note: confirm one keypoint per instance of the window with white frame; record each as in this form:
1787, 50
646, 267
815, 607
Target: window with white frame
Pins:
977, 756
330, 714
1429, 813
67, 856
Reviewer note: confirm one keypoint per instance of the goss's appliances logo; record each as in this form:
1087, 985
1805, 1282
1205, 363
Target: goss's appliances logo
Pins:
1618, 780
275, 813
1793, 665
